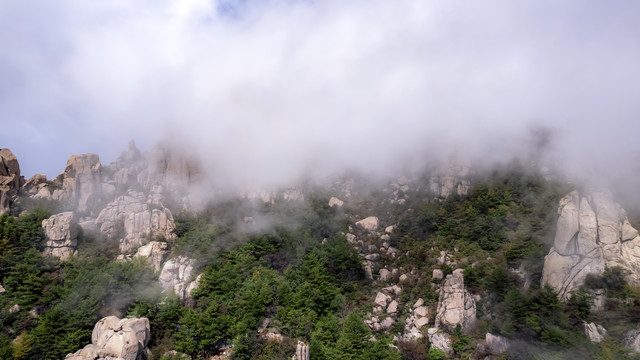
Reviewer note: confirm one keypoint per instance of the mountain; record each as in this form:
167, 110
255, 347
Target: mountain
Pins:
147, 258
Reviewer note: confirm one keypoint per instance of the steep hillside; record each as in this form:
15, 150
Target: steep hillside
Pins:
138, 259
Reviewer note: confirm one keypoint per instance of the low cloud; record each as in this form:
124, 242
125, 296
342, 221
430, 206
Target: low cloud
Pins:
266, 91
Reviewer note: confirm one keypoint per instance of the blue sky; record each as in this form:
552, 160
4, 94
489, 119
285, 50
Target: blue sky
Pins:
268, 89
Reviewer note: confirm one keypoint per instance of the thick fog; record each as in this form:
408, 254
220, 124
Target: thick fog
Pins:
265, 91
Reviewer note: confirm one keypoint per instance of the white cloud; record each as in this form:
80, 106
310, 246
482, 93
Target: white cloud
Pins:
264, 88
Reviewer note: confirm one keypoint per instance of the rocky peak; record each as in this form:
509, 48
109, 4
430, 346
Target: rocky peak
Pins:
10, 180
81, 182
593, 233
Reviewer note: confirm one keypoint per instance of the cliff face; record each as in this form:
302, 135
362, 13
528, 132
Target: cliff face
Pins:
592, 233
10, 180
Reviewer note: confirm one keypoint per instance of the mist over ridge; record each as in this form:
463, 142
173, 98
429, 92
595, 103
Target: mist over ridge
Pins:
268, 92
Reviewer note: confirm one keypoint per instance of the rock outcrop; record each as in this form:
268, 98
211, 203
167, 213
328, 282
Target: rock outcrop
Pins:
176, 275
155, 252
450, 178
592, 233
81, 182
37, 187
10, 180
370, 224
455, 305
135, 221
595, 333
632, 339
61, 234
440, 340
114, 338
302, 351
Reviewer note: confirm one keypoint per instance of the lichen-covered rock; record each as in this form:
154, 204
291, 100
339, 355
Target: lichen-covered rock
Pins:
592, 233
176, 275
114, 338
370, 224
61, 234
10, 180
455, 305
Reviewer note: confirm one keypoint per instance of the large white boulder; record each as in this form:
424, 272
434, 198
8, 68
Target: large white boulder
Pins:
370, 224
114, 338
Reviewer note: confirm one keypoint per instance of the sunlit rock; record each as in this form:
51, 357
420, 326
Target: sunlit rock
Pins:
81, 182
114, 338
592, 233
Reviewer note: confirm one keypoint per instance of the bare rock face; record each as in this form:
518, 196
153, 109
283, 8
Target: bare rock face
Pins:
81, 182
172, 168
302, 351
593, 233
456, 305
451, 178
370, 224
595, 333
176, 275
61, 235
112, 337
37, 187
155, 252
135, 221
440, 340
10, 180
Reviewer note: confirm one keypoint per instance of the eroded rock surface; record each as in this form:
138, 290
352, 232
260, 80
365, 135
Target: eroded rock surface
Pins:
81, 182
131, 218
10, 180
593, 233
176, 275
115, 338
61, 234
455, 305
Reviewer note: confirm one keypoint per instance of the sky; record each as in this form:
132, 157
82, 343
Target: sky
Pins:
267, 90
